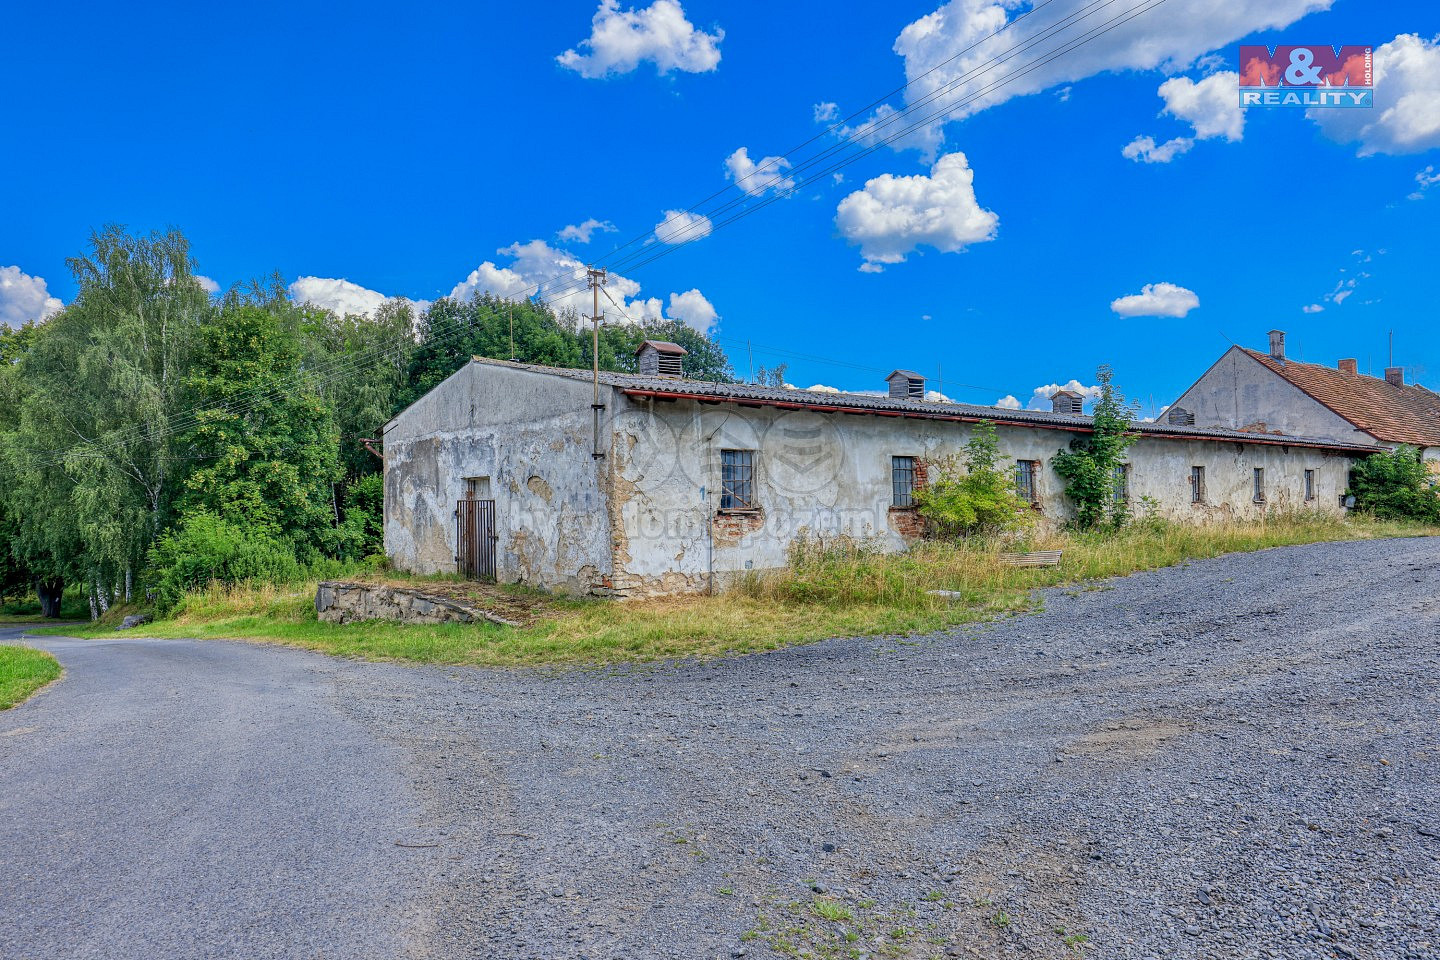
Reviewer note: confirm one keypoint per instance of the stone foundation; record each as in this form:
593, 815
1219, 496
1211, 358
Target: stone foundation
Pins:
340, 602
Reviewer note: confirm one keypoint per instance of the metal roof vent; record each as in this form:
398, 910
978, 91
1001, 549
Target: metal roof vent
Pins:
660, 358
906, 385
1066, 401
1179, 417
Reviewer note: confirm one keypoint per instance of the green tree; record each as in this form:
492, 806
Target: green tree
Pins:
1396, 485
361, 365
978, 499
262, 447
1092, 467
91, 456
704, 358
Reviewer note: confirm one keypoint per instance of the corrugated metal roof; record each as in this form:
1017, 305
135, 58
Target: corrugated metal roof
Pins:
705, 390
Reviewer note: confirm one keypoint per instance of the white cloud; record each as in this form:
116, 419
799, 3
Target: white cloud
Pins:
24, 298
336, 295
1144, 149
893, 215
581, 232
1157, 300
692, 309
822, 388
1211, 106
536, 263
206, 284
889, 125
1406, 115
756, 178
935, 396
1171, 38
1312, 308
620, 40
1426, 179
1040, 398
681, 226
826, 112
1008, 402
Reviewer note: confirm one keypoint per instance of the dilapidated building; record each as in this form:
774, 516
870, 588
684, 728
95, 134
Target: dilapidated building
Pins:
638, 484
1270, 393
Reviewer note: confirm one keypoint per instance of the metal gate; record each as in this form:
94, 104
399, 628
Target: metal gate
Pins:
475, 539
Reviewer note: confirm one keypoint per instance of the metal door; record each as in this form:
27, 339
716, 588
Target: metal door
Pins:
475, 539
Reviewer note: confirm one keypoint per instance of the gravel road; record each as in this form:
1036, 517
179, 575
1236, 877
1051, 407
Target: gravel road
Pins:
1237, 758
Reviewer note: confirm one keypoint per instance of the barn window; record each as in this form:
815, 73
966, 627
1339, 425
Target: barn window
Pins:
737, 479
1122, 483
1197, 484
1258, 478
1309, 484
902, 481
1027, 472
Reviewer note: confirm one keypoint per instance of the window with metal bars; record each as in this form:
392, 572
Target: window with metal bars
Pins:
1258, 480
737, 479
1122, 483
1309, 484
902, 481
1027, 473
1197, 484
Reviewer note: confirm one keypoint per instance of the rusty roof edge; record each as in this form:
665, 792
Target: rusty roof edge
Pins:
1000, 415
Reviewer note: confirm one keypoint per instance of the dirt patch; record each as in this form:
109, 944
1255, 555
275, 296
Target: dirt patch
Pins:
523, 608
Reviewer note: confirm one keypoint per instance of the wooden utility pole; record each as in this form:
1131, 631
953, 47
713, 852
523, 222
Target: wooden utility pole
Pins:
596, 279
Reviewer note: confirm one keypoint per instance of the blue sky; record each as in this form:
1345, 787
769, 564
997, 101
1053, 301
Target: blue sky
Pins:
400, 149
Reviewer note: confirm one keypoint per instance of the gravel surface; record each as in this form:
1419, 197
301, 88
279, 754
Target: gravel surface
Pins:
1236, 758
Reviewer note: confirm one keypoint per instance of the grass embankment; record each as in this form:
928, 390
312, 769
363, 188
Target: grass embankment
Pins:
838, 591
26, 610
22, 672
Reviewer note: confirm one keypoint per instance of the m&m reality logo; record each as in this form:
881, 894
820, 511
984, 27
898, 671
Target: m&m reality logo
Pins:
1309, 76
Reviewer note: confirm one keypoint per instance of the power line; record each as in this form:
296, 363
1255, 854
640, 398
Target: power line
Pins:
577, 275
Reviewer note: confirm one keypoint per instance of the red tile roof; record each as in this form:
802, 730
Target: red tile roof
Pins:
1408, 414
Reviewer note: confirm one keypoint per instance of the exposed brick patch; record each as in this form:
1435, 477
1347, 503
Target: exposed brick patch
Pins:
907, 522
730, 527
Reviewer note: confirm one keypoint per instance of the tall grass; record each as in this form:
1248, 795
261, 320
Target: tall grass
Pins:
834, 589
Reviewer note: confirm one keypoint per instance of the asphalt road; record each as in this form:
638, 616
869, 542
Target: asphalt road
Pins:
1237, 758
188, 800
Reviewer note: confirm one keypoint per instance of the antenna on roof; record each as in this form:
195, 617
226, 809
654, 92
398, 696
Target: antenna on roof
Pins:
1392, 349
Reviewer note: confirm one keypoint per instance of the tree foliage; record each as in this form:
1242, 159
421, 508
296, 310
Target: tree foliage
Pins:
1092, 467
153, 435
1396, 485
971, 494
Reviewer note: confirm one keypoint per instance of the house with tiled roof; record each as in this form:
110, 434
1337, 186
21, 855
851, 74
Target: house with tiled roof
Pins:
1270, 393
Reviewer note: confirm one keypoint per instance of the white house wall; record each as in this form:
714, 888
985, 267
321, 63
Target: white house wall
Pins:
1239, 391
826, 475
531, 436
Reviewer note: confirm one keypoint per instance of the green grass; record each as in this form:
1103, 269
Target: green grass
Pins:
26, 609
23, 671
842, 590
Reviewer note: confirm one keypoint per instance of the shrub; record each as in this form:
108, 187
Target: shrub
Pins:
362, 534
978, 499
1092, 467
204, 549
1396, 485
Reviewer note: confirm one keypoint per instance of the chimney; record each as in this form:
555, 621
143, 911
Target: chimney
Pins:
1395, 376
1347, 366
660, 358
1063, 401
906, 385
1277, 345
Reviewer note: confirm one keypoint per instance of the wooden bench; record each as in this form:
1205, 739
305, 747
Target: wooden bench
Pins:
1038, 558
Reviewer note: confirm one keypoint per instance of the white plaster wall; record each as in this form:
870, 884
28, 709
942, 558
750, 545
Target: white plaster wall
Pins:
531, 434
829, 474
1239, 391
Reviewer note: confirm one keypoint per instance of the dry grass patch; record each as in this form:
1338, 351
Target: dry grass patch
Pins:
843, 589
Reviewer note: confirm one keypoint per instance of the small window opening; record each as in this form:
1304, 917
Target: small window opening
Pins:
1309, 484
902, 481
1027, 473
1197, 484
737, 479
1258, 479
